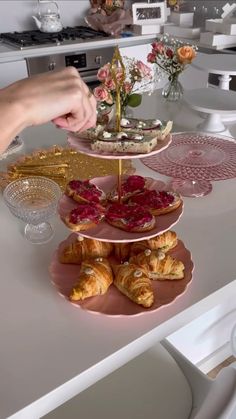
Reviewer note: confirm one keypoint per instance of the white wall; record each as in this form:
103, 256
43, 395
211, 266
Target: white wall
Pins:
15, 15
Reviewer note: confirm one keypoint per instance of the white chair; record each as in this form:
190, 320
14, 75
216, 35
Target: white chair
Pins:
160, 383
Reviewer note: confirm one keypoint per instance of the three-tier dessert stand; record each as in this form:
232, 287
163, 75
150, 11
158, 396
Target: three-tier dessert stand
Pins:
114, 303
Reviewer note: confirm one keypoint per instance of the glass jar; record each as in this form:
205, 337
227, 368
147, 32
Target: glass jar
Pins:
173, 90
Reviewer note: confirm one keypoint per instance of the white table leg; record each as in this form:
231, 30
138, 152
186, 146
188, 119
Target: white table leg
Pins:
224, 81
212, 123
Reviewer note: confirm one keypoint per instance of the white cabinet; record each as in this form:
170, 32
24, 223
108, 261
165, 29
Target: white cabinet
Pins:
12, 71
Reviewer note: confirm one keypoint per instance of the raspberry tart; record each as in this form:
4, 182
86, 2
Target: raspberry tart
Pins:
132, 218
157, 202
84, 216
84, 192
131, 186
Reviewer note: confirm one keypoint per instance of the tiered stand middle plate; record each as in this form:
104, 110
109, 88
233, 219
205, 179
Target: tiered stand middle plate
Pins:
106, 232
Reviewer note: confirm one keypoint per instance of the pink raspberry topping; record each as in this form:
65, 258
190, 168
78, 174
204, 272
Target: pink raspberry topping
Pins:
86, 190
131, 215
85, 212
153, 199
133, 183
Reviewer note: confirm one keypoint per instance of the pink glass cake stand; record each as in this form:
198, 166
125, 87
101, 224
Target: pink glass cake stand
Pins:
193, 160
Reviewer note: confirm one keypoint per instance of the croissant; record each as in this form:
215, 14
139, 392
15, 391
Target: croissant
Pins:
95, 277
157, 265
164, 241
122, 251
134, 283
84, 248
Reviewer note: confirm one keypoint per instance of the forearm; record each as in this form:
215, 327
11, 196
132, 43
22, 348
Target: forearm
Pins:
12, 120
61, 97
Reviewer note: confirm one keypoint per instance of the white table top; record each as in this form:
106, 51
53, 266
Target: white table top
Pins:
216, 63
212, 100
50, 350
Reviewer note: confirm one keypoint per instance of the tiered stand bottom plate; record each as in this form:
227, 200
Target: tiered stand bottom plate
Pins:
114, 303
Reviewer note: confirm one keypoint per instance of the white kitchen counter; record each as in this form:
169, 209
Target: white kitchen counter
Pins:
50, 350
9, 53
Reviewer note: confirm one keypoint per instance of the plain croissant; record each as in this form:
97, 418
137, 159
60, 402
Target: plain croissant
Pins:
157, 265
85, 248
164, 241
122, 251
95, 277
134, 283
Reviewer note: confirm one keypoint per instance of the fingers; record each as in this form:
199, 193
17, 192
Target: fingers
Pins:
82, 117
82, 112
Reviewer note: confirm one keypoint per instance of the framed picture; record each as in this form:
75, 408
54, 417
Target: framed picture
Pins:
144, 13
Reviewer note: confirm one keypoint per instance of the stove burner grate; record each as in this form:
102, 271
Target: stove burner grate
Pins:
37, 38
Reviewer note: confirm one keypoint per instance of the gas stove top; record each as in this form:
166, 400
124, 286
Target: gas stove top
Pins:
35, 38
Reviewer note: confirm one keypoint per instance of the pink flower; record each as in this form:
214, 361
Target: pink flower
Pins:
158, 47
144, 70
104, 72
127, 87
102, 95
119, 74
110, 84
151, 58
169, 53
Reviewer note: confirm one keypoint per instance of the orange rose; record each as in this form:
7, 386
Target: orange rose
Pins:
186, 54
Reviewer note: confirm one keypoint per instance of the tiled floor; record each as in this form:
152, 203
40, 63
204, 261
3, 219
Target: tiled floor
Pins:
213, 373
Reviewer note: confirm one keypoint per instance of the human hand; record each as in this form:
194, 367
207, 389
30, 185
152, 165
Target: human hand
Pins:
58, 96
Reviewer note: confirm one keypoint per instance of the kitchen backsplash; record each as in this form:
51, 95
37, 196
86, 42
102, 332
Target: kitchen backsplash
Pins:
15, 15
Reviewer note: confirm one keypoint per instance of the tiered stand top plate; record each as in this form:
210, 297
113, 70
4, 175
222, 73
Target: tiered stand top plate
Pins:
83, 146
106, 232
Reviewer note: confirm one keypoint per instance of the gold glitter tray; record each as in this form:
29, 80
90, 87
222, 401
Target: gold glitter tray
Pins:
62, 164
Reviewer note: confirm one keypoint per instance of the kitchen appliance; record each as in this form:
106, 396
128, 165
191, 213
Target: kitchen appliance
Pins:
35, 38
86, 61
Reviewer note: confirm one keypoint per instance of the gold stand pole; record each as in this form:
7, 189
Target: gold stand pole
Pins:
117, 62
119, 181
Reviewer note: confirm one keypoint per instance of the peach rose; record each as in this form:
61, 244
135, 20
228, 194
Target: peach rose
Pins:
185, 54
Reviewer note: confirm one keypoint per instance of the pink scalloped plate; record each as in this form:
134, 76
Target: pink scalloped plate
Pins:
83, 146
106, 232
114, 303
196, 156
